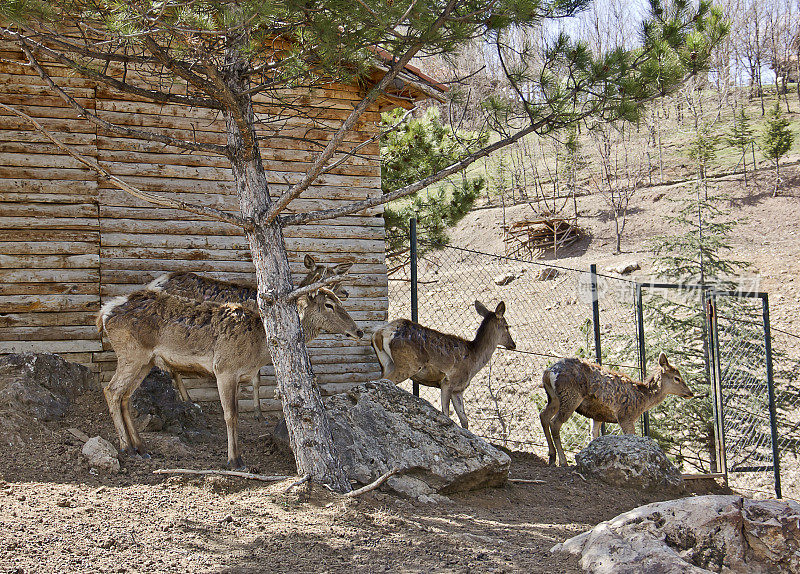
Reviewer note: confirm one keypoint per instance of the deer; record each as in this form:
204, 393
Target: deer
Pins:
200, 288
226, 340
603, 395
406, 349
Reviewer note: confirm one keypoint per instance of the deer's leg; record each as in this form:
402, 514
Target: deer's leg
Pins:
628, 426
255, 381
124, 381
447, 393
135, 443
180, 386
458, 405
227, 385
565, 410
596, 426
547, 414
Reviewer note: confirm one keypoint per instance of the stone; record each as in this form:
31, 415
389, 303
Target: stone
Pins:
699, 534
505, 278
378, 426
101, 454
628, 461
158, 406
624, 268
41, 385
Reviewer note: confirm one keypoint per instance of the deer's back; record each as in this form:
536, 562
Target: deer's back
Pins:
193, 286
604, 392
438, 351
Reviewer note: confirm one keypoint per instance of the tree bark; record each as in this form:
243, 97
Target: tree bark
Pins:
306, 419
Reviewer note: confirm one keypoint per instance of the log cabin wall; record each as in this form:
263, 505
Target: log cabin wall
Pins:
70, 241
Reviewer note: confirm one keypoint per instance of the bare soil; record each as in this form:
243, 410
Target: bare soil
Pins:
58, 516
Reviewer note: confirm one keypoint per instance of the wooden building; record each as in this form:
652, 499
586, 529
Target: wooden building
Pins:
69, 240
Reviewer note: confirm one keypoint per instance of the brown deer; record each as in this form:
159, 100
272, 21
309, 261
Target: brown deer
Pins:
225, 340
408, 350
603, 395
200, 288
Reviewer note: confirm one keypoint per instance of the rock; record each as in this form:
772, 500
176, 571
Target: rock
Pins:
158, 406
41, 384
168, 446
624, 268
378, 426
629, 461
101, 454
699, 534
547, 274
505, 278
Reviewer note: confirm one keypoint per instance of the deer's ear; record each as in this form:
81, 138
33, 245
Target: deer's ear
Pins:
342, 268
662, 360
501, 309
482, 311
340, 291
309, 261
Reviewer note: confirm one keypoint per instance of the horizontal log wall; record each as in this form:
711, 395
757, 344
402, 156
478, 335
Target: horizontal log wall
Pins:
69, 241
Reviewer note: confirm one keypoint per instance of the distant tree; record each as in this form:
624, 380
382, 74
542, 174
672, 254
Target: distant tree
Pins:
776, 140
412, 149
741, 137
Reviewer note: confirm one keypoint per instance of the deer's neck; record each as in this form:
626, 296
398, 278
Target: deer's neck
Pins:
484, 344
653, 391
311, 325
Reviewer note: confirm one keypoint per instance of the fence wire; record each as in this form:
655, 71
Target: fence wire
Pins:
550, 314
549, 311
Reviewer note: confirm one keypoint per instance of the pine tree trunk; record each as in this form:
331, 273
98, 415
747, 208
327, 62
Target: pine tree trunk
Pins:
306, 419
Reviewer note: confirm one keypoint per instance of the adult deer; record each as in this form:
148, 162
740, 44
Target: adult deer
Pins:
226, 340
201, 288
603, 395
408, 350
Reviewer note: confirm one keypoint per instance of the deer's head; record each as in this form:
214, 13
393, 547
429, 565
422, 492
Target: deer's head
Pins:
318, 272
671, 380
323, 310
496, 324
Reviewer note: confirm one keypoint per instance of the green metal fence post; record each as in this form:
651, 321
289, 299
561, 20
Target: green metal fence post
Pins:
642, 357
414, 300
773, 421
598, 355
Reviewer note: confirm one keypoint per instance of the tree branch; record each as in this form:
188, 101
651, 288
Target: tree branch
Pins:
300, 291
155, 95
209, 212
240, 474
178, 68
319, 163
142, 134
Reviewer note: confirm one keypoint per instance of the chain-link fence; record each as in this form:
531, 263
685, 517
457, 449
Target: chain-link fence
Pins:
549, 310
551, 315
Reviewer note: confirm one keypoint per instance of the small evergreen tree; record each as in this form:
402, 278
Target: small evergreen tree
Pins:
413, 150
741, 137
703, 151
776, 140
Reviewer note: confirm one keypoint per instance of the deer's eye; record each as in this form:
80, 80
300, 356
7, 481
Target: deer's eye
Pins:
329, 306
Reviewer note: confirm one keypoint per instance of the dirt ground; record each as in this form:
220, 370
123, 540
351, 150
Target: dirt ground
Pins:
57, 515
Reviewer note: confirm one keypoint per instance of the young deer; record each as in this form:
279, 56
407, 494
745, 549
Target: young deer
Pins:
603, 395
225, 340
200, 288
409, 350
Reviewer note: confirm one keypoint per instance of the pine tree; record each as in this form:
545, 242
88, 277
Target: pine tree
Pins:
776, 140
741, 137
412, 150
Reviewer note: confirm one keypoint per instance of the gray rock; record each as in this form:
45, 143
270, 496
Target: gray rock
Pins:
624, 268
629, 461
505, 278
41, 384
101, 454
378, 426
699, 534
157, 406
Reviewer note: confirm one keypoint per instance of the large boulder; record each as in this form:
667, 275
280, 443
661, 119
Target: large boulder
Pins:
378, 426
628, 461
700, 534
41, 385
157, 406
